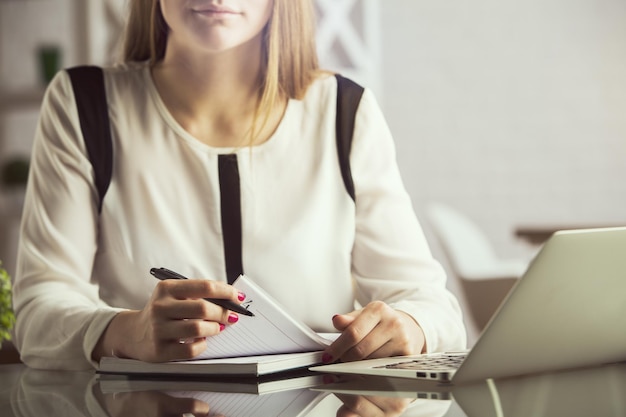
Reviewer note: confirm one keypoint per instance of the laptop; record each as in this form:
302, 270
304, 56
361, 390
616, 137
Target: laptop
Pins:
567, 311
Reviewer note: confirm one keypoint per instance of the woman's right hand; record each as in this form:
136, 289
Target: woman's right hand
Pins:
173, 325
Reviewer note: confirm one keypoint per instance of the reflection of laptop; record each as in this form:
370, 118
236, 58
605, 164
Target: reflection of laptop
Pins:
382, 386
567, 311
583, 392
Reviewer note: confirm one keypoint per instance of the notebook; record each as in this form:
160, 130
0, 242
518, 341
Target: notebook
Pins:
567, 311
272, 341
257, 365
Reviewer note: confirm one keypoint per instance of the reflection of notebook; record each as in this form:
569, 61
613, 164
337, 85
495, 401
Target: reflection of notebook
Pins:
283, 381
567, 311
274, 397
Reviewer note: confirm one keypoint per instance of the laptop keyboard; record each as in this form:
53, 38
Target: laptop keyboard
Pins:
442, 362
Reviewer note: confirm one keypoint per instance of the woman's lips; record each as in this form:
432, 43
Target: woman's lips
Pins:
215, 11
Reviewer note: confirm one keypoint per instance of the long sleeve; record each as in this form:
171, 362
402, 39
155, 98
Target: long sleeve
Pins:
391, 260
59, 314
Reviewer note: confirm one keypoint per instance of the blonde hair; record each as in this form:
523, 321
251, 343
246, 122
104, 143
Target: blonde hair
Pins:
290, 62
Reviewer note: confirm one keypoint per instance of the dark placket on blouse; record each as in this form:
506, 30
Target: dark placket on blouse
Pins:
230, 204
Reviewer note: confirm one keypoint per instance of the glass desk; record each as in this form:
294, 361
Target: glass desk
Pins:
599, 391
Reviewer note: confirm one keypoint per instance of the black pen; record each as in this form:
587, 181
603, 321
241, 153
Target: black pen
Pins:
164, 273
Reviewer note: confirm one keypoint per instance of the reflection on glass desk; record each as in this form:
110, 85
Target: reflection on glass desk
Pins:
25, 392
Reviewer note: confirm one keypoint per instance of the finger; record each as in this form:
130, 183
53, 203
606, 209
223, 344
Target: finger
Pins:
396, 334
187, 329
347, 342
164, 310
354, 333
168, 309
385, 350
342, 321
365, 347
176, 350
196, 288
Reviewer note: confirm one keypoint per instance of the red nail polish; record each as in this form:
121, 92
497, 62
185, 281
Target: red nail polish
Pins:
222, 327
327, 358
241, 296
233, 318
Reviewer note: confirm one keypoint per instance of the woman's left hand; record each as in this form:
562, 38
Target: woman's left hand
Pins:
376, 331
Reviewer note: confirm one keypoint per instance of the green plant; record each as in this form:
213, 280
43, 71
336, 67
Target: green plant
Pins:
7, 317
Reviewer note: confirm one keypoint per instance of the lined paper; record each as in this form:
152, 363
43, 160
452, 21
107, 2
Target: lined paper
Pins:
270, 331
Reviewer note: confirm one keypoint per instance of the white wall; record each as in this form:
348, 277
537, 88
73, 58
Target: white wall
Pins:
514, 111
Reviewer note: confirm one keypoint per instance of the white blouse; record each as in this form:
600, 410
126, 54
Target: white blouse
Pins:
304, 239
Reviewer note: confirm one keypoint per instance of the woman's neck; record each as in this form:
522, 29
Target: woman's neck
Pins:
214, 96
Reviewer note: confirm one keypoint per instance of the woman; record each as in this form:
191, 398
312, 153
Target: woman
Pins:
206, 82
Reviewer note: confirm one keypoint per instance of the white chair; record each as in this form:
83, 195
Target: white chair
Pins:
485, 278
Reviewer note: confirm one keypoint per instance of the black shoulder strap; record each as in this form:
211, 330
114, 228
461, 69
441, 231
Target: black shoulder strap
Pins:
93, 113
348, 98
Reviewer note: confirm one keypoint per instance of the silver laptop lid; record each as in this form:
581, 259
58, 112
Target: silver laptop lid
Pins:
567, 311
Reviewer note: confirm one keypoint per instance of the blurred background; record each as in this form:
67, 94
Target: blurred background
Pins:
509, 116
